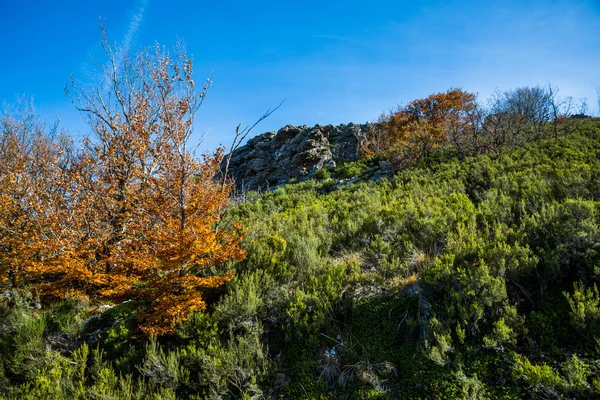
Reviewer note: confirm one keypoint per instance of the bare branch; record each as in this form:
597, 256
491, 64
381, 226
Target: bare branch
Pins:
240, 136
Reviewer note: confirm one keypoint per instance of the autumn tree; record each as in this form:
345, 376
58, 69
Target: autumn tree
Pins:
35, 222
155, 205
413, 131
133, 213
456, 121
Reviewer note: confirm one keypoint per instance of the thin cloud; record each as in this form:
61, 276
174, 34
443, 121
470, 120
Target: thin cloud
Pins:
93, 72
134, 25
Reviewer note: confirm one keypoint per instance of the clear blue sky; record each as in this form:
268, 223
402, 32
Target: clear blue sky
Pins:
334, 61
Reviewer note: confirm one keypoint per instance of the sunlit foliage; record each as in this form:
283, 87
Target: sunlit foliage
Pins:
131, 214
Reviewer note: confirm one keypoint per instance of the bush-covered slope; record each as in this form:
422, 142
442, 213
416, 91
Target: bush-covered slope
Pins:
457, 279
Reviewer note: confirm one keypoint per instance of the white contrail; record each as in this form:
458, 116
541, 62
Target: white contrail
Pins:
134, 25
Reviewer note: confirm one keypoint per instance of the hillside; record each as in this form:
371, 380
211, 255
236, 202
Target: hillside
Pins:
453, 278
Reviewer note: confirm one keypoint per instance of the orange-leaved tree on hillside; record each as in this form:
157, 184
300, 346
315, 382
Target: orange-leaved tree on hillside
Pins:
136, 213
411, 132
35, 222
157, 205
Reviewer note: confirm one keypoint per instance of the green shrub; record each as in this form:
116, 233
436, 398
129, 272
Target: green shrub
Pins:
542, 378
585, 310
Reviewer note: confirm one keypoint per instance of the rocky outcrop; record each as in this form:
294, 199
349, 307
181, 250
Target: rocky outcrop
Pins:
293, 152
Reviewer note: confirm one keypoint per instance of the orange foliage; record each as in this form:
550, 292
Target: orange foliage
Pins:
35, 224
134, 214
414, 130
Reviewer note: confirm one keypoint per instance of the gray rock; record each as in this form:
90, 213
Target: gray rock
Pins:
293, 152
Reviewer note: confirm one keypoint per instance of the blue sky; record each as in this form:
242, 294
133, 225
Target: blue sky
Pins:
333, 61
